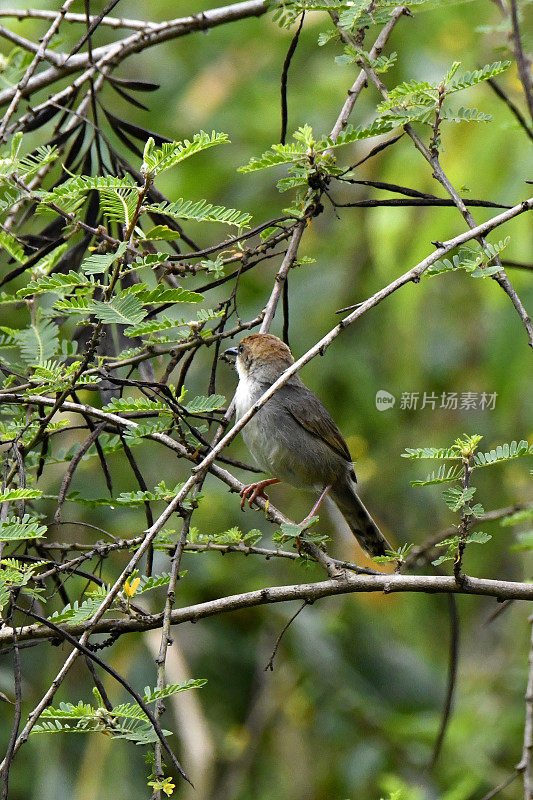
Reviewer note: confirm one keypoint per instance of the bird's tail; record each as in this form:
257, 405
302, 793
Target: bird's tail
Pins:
361, 523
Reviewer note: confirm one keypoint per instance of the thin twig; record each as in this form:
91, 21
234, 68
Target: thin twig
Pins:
22, 85
512, 107
165, 632
525, 765
284, 75
111, 22
270, 664
10, 752
69, 474
524, 63
452, 678
507, 782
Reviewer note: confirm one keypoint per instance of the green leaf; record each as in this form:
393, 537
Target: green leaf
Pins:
38, 343
32, 162
524, 515
442, 559
476, 510
57, 283
79, 612
233, 536
16, 143
201, 211
121, 405
293, 530
96, 263
394, 555
151, 326
475, 261
455, 499
156, 161
154, 582
351, 134
478, 537
524, 542
16, 574
442, 475
121, 309
203, 405
350, 16
160, 233
74, 305
502, 453
19, 494
477, 76
78, 186
274, 157
379, 65
14, 529
69, 711
54, 375
152, 695
465, 115
119, 205
164, 294
9, 243
431, 452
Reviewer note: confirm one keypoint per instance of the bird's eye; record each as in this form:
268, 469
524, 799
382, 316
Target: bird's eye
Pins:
240, 348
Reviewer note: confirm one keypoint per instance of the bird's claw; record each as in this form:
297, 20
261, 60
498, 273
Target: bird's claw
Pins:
254, 490
250, 493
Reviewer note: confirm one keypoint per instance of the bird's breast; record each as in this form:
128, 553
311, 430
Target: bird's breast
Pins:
259, 434
245, 396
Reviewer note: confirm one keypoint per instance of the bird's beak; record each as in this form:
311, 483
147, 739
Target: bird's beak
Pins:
231, 351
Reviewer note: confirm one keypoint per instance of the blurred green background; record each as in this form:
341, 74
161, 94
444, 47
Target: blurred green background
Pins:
353, 705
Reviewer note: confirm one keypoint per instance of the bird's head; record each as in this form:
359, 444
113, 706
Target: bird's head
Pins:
261, 356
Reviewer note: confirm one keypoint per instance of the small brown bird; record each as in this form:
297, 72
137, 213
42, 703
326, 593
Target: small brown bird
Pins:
294, 437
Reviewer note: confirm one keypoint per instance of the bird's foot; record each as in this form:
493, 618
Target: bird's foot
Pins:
253, 490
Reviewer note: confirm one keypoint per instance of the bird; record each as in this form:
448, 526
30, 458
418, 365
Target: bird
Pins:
294, 438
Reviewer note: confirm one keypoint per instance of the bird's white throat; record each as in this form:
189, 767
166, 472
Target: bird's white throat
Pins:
244, 396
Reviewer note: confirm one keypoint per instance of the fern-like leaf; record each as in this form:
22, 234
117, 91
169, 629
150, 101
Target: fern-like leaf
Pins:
442, 475
96, 263
122, 310
203, 405
38, 343
502, 453
14, 529
10, 244
157, 160
477, 76
57, 283
201, 211
431, 452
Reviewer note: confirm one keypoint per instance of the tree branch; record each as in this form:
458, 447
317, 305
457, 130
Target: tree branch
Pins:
354, 584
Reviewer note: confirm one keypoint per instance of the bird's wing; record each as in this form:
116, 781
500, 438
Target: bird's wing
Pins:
307, 410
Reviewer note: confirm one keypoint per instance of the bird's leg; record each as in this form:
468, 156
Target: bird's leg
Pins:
317, 505
254, 490
313, 511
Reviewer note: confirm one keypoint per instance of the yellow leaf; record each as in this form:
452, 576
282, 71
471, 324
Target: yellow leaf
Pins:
130, 589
